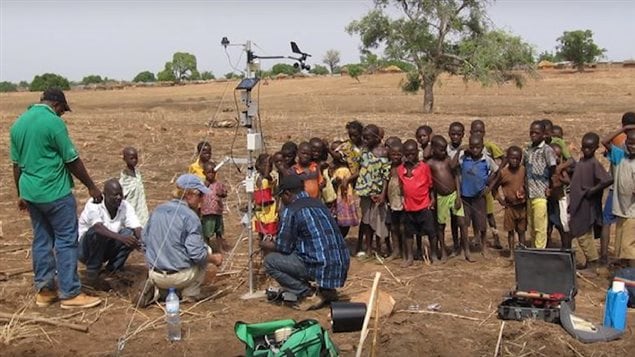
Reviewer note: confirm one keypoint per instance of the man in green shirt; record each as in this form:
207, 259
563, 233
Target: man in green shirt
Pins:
44, 158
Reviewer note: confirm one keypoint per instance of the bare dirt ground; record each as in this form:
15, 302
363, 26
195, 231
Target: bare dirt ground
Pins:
166, 123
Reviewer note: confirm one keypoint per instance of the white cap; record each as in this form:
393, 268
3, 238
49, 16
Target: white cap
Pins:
618, 286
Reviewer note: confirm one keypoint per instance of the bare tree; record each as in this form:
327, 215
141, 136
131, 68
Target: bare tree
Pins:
331, 59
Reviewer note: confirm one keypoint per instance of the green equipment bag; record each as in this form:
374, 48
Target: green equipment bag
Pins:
308, 339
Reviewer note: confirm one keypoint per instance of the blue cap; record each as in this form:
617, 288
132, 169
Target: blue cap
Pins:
191, 182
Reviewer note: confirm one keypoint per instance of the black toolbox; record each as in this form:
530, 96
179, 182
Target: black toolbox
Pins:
545, 279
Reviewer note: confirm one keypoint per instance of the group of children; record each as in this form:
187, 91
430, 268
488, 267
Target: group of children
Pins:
399, 191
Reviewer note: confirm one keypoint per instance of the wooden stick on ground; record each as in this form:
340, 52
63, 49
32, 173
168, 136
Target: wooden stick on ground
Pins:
381, 260
440, 313
577, 353
5, 275
72, 326
500, 339
587, 280
369, 311
15, 249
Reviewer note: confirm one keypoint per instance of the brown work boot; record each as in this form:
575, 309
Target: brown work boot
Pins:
46, 297
81, 301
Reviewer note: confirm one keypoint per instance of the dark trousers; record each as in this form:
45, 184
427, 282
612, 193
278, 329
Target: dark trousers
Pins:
95, 250
289, 271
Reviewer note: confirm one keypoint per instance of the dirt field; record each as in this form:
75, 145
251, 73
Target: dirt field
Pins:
166, 123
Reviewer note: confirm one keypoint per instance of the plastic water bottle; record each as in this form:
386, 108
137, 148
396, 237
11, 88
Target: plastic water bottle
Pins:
172, 315
615, 306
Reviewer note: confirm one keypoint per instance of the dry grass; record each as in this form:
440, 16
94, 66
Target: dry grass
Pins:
166, 123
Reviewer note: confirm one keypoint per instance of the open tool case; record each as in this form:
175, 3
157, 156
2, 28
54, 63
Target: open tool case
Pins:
545, 279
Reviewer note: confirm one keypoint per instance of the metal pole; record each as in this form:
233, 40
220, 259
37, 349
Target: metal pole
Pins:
251, 128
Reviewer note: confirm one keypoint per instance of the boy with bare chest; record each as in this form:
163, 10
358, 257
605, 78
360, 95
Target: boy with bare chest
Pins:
446, 186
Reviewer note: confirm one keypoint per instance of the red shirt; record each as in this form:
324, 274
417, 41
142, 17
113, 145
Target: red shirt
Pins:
416, 189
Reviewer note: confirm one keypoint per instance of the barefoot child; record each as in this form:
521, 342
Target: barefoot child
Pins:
477, 171
477, 127
132, 184
346, 202
203, 155
540, 164
558, 200
448, 197
456, 132
212, 208
512, 181
265, 220
585, 201
395, 199
416, 184
371, 186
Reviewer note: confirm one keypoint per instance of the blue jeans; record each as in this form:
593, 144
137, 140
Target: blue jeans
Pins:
289, 271
55, 228
94, 250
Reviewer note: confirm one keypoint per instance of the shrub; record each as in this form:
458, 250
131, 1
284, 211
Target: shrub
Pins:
45, 81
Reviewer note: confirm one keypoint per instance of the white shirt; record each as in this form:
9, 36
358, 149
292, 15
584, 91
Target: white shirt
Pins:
94, 213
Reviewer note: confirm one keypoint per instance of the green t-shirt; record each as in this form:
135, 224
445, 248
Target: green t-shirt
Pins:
41, 147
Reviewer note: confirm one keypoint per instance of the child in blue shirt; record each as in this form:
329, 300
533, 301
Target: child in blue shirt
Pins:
477, 170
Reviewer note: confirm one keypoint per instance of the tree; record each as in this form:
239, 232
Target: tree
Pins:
230, 75
436, 36
207, 75
184, 66
8, 87
145, 77
23, 84
284, 68
167, 75
579, 48
92, 79
45, 81
331, 59
319, 70
355, 70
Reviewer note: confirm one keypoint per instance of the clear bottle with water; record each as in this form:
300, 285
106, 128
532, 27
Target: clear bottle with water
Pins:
172, 315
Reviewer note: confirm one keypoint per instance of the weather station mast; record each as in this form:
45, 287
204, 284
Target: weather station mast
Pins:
248, 118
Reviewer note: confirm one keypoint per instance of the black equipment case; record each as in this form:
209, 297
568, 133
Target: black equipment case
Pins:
548, 276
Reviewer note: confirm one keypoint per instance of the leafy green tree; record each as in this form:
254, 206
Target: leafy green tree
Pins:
8, 87
437, 36
331, 59
579, 48
207, 75
23, 84
184, 66
355, 70
167, 74
319, 70
369, 61
284, 68
92, 79
145, 77
42, 82
231, 75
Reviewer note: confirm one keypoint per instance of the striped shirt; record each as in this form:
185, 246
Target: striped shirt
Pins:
308, 230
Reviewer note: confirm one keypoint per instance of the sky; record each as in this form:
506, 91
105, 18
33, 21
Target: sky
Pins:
119, 39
